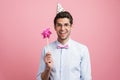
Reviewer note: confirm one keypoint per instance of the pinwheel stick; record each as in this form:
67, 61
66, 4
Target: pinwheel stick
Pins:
48, 45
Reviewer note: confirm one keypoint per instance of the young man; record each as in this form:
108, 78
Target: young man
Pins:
67, 59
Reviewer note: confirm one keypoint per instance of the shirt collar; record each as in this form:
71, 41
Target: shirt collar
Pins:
67, 43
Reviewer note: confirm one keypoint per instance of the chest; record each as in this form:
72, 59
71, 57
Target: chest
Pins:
66, 59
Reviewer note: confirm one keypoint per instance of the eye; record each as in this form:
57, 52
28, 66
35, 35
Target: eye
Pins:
66, 25
58, 25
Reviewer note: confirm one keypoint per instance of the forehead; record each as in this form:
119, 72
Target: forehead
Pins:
63, 20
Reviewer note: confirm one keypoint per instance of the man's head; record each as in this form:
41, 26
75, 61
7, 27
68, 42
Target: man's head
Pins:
63, 24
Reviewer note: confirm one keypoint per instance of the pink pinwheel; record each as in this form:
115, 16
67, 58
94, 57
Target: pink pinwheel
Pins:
46, 33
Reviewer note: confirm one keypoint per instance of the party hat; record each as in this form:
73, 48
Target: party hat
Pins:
60, 8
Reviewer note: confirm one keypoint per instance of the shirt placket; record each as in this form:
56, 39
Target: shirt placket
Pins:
61, 62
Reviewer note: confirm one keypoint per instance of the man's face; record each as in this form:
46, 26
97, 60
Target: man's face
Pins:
63, 28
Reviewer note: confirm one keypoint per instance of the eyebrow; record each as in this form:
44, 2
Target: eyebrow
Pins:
61, 23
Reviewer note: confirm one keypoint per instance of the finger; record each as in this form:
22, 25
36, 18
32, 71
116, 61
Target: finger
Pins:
48, 59
48, 54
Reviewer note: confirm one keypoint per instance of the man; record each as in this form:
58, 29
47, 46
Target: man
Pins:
67, 59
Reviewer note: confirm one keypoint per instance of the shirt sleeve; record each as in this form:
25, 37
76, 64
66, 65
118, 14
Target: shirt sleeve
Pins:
42, 65
85, 65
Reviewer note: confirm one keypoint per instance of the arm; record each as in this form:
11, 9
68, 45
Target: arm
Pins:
44, 68
49, 63
85, 66
46, 74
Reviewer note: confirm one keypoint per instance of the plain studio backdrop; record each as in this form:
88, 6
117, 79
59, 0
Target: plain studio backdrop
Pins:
96, 24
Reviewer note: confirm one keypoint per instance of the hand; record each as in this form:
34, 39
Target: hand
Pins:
48, 60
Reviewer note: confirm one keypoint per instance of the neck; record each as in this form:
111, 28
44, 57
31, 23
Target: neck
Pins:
63, 41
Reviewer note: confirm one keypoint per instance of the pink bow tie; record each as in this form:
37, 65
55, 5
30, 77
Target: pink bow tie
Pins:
62, 47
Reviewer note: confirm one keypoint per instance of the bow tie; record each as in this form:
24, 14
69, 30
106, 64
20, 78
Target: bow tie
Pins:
62, 47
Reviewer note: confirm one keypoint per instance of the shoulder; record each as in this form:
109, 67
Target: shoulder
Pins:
79, 47
78, 44
51, 46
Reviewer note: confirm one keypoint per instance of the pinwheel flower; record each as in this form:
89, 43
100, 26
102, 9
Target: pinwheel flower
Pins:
46, 33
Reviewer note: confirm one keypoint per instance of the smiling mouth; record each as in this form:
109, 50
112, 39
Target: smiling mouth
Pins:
63, 33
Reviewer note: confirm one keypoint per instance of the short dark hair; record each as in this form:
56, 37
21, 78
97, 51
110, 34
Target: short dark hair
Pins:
64, 14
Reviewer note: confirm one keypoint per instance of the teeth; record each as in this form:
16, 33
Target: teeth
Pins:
62, 32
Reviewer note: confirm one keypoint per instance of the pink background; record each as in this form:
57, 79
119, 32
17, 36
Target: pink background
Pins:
96, 24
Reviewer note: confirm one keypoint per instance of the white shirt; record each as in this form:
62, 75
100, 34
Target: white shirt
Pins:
69, 64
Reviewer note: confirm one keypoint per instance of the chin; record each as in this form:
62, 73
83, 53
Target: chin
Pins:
64, 38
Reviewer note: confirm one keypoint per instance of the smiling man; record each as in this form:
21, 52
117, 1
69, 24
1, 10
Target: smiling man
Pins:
67, 59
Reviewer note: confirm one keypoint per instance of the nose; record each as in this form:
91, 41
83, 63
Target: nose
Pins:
62, 27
